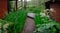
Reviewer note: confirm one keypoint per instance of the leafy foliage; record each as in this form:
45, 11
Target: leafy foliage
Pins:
5, 26
40, 19
45, 25
18, 18
47, 28
36, 9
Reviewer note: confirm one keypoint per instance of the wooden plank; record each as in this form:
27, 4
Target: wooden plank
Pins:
56, 14
3, 8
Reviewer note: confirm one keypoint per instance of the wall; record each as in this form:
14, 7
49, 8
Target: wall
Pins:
56, 13
3, 8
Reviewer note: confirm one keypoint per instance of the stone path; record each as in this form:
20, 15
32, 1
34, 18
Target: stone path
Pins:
29, 26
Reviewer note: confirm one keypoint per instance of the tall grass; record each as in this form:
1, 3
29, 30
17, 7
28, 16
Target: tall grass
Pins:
18, 18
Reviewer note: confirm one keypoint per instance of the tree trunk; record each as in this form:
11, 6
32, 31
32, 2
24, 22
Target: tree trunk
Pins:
25, 3
16, 4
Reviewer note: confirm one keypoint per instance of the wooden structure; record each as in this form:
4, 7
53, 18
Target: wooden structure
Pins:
56, 13
3, 8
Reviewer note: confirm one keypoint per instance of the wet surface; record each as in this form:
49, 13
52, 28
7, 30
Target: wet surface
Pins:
29, 26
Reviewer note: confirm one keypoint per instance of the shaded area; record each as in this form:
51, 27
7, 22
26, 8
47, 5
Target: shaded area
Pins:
29, 26
56, 14
3, 8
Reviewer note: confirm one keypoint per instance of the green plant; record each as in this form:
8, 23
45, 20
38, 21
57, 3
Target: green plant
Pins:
40, 19
5, 26
50, 27
34, 9
18, 18
45, 25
